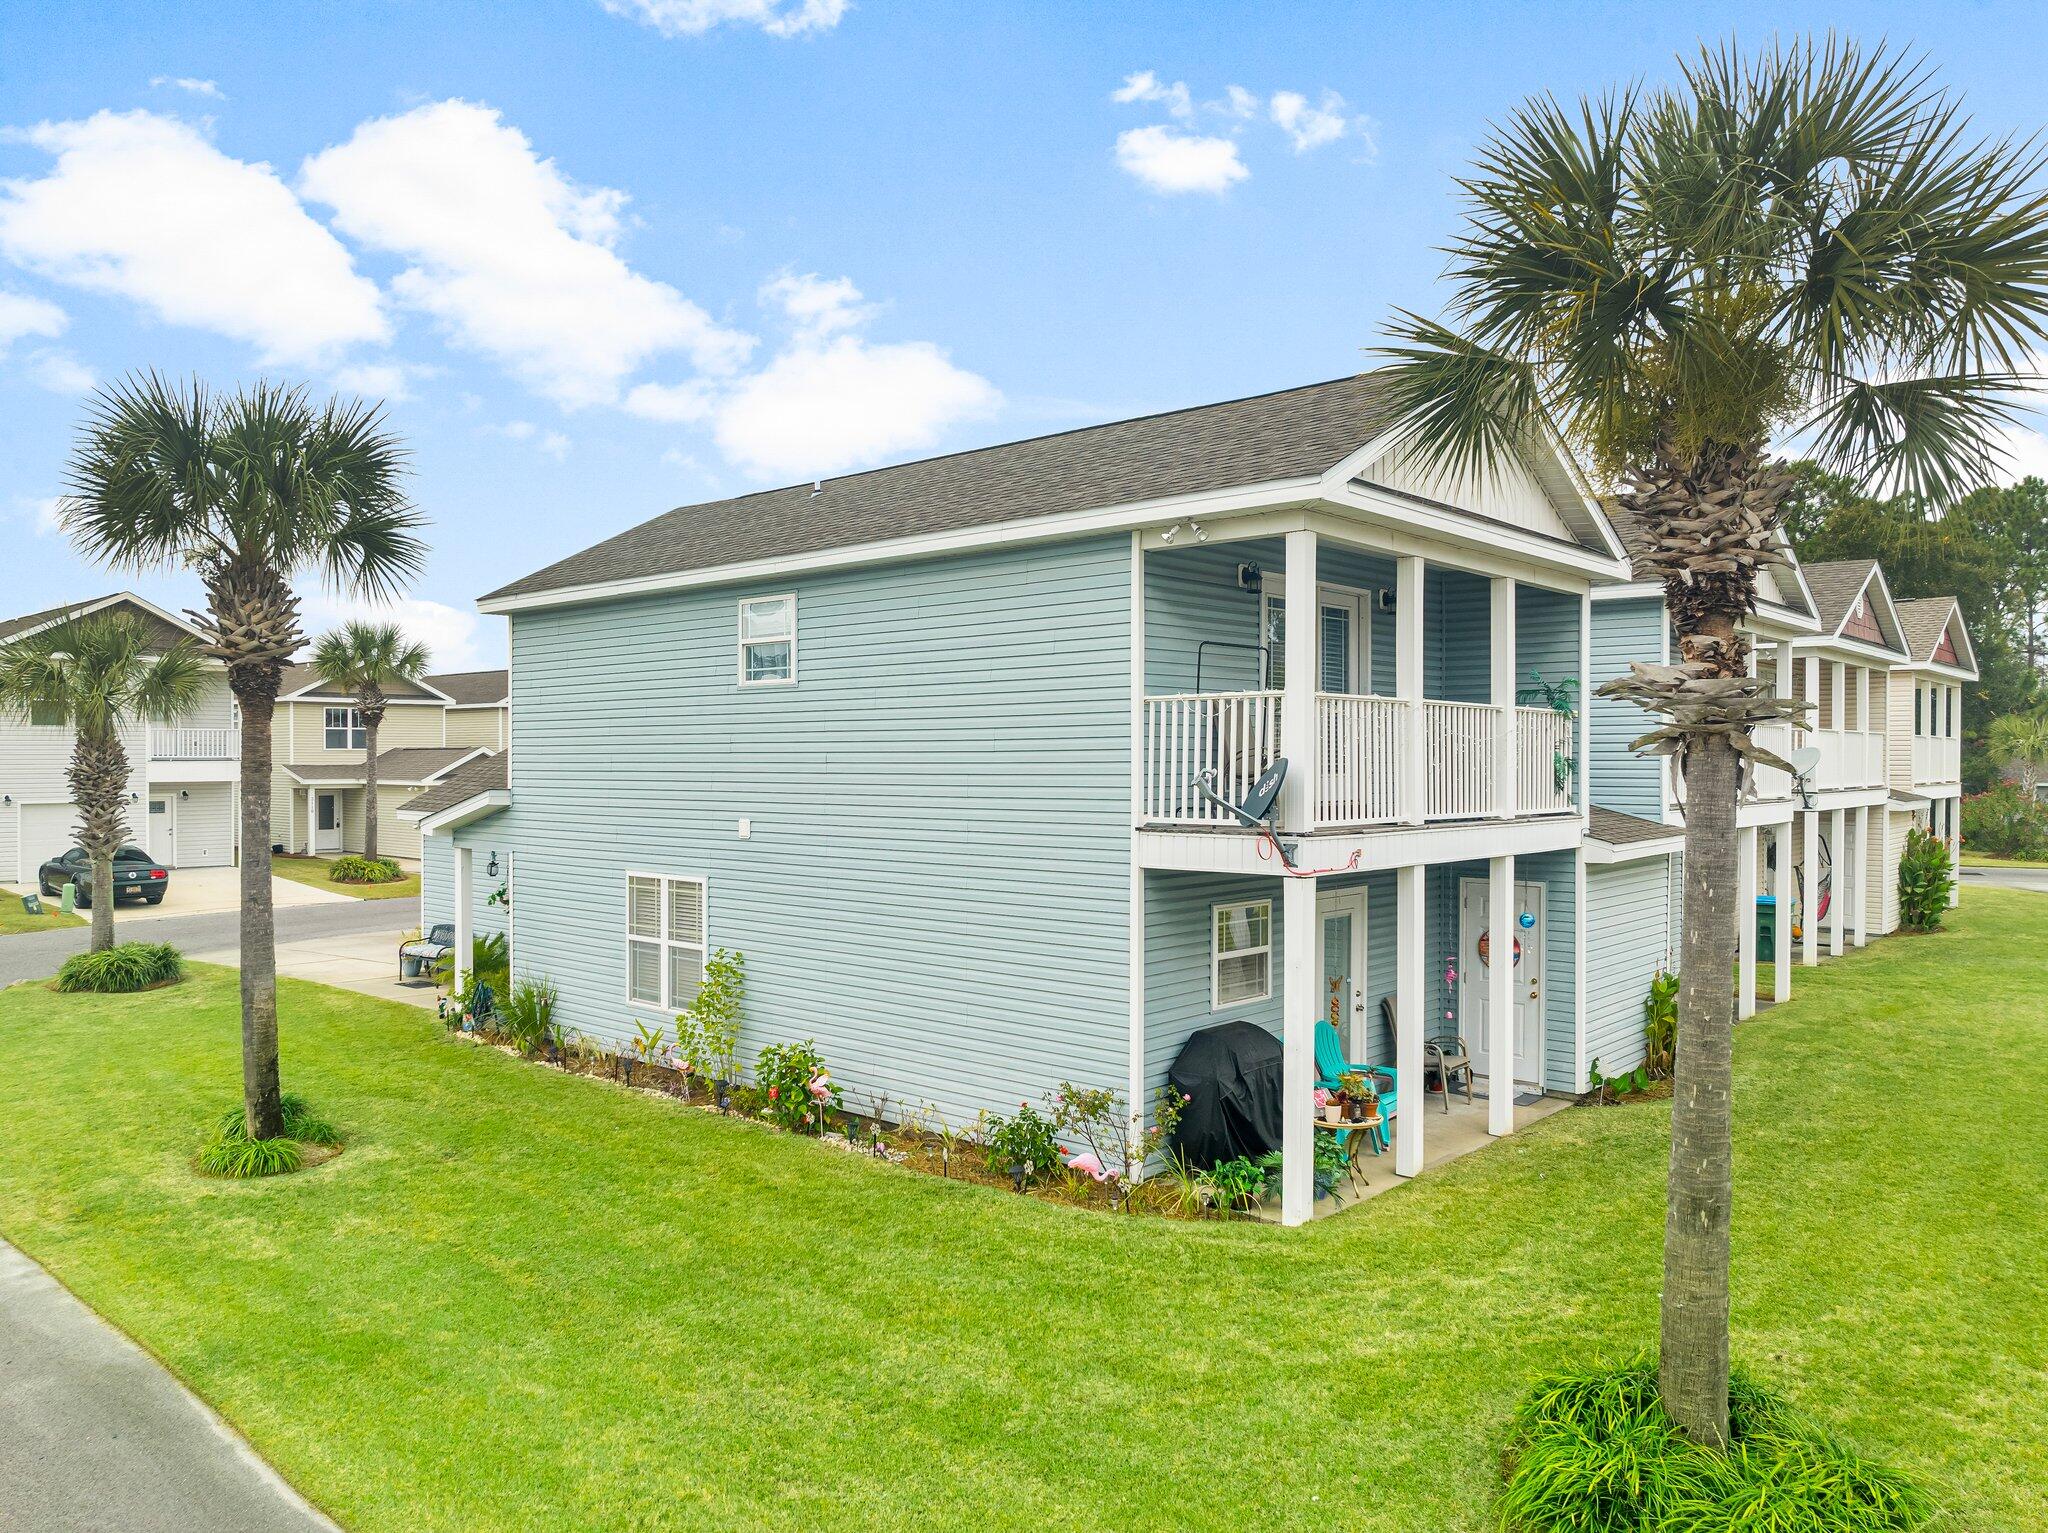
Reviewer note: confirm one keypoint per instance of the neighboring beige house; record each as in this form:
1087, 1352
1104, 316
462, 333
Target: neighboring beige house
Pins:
318, 786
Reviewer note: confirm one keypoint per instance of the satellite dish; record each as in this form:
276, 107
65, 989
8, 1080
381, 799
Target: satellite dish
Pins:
1803, 760
1257, 809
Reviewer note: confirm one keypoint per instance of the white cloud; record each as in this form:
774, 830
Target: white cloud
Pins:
1239, 102
58, 371
692, 18
2025, 454
41, 513
816, 306
1310, 127
21, 315
1170, 162
143, 207
513, 258
675, 403
390, 382
552, 443
1146, 86
206, 88
451, 634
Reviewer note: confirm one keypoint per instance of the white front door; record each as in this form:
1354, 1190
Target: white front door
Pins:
1340, 946
327, 822
1479, 950
163, 828
1343, 638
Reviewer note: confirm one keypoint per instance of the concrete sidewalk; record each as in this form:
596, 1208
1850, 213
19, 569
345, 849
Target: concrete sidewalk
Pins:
365, 962
95, 1434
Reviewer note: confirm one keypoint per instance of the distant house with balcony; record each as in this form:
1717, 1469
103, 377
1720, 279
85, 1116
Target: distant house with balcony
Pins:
948, 750
182, 775
185, 773
319, 797
1925, 749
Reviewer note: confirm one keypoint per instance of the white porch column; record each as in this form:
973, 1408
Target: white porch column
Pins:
1809, 689
1582, 734
1955, 849
1838, 672
1410, 1007
1745, 923
1863, 717
1138, 1106
1414, 764
1304, 673
1837, 917
464, 896
1859, 879
1781, 890
1809, 922
1298, 999
312, 821
1500, 996
1503, 677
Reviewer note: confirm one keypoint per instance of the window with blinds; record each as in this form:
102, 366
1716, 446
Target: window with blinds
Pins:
665, 940
1241, 954
767, 640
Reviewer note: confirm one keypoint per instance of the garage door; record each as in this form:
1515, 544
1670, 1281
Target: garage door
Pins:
45, 833
206, 824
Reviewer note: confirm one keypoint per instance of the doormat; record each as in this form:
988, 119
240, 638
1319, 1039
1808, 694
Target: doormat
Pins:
1522, 1098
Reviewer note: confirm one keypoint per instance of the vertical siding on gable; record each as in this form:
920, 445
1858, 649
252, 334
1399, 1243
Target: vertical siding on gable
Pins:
937, 880
1629, 906
1621, 780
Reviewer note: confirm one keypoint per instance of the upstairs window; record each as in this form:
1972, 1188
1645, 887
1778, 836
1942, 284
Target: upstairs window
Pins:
1241, 954
767, 640
344, 730
665, 940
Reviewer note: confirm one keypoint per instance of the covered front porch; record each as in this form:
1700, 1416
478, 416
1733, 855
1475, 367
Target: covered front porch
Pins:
1383, 963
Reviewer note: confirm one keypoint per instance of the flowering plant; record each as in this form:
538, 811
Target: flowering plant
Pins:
801, 1093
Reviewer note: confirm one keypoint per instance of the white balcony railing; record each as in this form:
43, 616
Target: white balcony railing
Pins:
1360, 783
205, 743
1937, 760
1544, 761
1765, 783
1361, 745
1849, 758
1236, 735
1462, 743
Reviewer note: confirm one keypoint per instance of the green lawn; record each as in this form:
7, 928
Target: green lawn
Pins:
1973, 860
527, 1300
313, 870
14, 919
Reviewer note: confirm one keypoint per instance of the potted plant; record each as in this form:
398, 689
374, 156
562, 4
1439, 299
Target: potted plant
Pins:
1330, 1105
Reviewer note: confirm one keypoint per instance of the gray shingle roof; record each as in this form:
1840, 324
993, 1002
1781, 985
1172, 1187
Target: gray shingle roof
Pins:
407, 764
1618, 829
486, 774
161, 632
1294, 433
297, 676
1923, 621
473, 688
1834, 585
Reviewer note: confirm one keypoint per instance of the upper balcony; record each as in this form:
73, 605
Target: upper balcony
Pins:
1431, 700
195, 753
1937, 760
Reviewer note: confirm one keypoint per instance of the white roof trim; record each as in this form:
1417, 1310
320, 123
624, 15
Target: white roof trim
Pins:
319, 691
1607, 853
83, 608
475, 807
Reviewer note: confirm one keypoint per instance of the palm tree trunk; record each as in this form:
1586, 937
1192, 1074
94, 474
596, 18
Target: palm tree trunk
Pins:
370, 728
255, 687
1693, 1356
98, 778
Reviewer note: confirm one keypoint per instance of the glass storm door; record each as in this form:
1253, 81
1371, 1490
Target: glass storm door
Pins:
1341, 923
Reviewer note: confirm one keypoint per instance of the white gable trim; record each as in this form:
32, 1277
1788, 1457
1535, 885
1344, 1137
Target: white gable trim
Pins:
85, 608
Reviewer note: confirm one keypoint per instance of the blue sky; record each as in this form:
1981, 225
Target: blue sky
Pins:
609, 258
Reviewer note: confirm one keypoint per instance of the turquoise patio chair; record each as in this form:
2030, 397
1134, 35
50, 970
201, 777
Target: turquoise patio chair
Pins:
1332, 1066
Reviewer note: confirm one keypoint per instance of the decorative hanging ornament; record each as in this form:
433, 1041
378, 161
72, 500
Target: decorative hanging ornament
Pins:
1528, 920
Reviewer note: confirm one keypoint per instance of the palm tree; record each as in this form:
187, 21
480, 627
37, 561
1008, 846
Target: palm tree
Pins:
1803, 244
96, 675
249, 491
2019, 742
362, 659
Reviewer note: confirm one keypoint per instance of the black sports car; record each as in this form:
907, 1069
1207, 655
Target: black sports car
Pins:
135, 873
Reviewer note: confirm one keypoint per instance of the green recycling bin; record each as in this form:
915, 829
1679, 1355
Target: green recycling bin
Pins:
1767, 928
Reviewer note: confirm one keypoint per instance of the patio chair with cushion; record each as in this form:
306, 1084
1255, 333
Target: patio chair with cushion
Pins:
1332, 1067
1445, 1056
421, 956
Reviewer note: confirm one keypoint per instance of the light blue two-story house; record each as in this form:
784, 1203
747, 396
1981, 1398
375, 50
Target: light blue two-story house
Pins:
927, 745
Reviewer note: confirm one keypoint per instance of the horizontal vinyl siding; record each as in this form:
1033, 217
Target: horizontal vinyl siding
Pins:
1630, 935
1624, 631
937, 881
437, 878
475, 726
33, 764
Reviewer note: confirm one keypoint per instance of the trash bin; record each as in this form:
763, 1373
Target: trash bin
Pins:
1767, 928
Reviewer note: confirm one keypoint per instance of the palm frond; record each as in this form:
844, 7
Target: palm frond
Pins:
1467, 408
1932, 436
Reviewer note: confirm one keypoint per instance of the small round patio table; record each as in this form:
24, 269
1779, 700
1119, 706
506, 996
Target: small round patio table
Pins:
1359, 1132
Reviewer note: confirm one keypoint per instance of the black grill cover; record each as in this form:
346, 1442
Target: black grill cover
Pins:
1231, 1072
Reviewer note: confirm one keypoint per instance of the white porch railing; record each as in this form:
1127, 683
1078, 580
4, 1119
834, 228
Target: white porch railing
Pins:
1461, 745
187, 743
1849, 758
1236, 735
1936, 759
1765, 783
1543, 779
1360, 739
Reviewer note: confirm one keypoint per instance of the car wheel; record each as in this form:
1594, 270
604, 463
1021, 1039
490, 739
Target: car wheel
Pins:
80, 900
152, 899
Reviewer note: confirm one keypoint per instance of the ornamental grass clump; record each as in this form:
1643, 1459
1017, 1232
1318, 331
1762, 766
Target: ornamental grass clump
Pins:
232, 1153
122, 969
1594, 1452
363, 870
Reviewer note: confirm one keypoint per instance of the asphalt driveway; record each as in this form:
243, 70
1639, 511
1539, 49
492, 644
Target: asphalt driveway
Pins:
96, 1435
